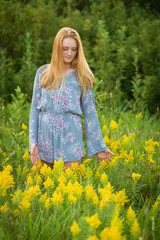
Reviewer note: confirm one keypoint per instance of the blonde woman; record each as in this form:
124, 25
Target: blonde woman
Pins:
63, 91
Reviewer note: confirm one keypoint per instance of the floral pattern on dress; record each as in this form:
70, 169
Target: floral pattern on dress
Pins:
55, 120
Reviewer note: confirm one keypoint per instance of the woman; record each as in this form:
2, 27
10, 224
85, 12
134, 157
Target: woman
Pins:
63, 90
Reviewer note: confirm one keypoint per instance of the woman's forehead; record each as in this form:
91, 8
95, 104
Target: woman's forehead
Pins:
70, 42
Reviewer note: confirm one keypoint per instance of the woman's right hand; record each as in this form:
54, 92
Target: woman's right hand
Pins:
34, 153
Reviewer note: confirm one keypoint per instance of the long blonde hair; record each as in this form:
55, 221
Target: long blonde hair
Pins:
52, 76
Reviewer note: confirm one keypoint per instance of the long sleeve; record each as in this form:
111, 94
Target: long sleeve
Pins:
34, 112
95, 142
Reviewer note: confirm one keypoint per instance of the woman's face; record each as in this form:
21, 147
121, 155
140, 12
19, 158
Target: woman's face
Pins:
69, 49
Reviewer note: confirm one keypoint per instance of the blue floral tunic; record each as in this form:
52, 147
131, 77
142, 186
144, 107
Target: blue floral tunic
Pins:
55, 120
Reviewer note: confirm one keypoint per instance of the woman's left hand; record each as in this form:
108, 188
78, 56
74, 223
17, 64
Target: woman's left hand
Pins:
105, 155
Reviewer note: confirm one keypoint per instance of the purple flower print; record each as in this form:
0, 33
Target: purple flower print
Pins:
67, 91
76, 118
85, 99
70, 137
65, 99
78, 150
60, 122
91, 108
57, 150
48, 153
96, 135
38, 99
57, 97
58, 108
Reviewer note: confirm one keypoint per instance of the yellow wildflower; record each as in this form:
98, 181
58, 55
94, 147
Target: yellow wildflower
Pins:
115, 231
75, 228
139, 115
58, 167
106, 140
151, 160
87, 161
48, 183
72, 198
115, 145
94, 221
104, 165
104, 128
106, 195
94, 237
28, 196
45, 170
136, 176
91, 195
150, 147
104, 178
62, 178
4, 208
75, 191
129, 158
114, 126
24, 127
127, 139
130, 216
6, 180
17, 195
135, 230
47, 203
68, 173
156, 205
121, 198
78, 170
24, 205
57, 198
26, 156
97, 175
43, 197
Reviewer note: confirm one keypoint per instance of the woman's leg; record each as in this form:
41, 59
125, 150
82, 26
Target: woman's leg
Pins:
48, 164
69, 164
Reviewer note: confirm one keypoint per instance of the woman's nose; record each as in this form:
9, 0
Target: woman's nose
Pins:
69, 51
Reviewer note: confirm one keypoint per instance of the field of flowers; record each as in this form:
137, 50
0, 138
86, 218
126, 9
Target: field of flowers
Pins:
117, 200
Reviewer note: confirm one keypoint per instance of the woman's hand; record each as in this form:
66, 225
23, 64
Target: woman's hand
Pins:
34, 154
105, 155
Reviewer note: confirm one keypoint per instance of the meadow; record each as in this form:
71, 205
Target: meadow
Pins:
117, 200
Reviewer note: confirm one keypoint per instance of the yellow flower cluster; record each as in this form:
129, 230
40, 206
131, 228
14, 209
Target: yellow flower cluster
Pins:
139, 115
104, 178
150, 146
4, 208
114, 126
6, 180
115, 231
133, 224
91, 195
75, 228
24, 127
26, 156
78, 170
94, 221
136, 176
28, 197
121, 198
106, 195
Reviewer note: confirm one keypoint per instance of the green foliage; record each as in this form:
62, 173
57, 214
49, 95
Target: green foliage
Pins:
110, 32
